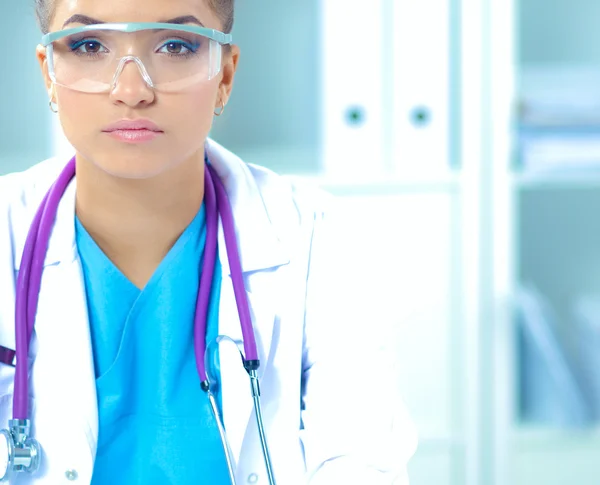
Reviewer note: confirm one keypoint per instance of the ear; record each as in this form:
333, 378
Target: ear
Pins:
40, 53
230, 64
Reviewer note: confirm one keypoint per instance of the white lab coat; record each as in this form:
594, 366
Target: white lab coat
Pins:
339, 435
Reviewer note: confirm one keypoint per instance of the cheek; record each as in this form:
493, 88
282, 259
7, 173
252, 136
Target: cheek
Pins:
197, 107
189, 115
77, 112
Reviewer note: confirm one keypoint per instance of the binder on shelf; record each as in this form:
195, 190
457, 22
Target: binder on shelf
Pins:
559, 121
421, 86
352, 83
566, 150
550, 389
586, 310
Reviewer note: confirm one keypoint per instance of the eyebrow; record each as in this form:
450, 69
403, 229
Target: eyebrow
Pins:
184, 19
85, 20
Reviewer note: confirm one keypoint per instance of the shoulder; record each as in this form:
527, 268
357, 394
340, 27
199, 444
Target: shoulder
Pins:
21, 193
286, 199
20, 190
291, 198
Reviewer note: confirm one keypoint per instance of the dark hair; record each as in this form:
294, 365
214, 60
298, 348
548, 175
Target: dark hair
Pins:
44, 11
224, 10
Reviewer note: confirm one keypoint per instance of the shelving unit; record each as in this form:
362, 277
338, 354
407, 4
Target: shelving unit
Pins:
555, 235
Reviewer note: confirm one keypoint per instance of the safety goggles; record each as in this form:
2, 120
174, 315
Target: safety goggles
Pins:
170, 57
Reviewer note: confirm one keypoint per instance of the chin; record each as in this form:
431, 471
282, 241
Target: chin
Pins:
141, 173
134, 167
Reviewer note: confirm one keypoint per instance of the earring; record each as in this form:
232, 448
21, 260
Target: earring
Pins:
222, 108
53, 107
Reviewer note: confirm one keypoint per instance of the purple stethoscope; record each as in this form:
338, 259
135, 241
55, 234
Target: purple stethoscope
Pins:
19, 452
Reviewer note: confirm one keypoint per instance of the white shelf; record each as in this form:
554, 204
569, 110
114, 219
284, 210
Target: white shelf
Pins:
290, 161
559, 180
378, 185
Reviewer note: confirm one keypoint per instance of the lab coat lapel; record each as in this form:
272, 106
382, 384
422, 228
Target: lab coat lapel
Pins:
63, 376
237, 401
235, 386
258, 242
260, 251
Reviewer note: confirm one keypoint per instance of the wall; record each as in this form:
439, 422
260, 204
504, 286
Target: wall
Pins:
25, 118
559, 31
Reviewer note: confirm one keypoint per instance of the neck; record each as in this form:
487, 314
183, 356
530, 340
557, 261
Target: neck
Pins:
136, 222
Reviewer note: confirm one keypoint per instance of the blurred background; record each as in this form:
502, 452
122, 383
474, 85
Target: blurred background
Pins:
462, 138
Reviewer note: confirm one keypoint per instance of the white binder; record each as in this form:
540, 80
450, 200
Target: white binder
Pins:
352, 83
421, 80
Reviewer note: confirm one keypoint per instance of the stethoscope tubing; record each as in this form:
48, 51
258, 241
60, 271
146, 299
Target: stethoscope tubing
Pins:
255, 389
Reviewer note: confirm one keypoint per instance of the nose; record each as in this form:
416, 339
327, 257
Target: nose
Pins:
132, 85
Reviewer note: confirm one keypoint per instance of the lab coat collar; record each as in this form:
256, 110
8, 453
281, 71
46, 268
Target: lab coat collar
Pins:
36, 183
258, 243
259, 246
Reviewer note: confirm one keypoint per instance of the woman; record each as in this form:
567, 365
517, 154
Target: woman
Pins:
116, 390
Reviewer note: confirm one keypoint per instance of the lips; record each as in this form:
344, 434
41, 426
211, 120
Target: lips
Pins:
133, 125
133, 131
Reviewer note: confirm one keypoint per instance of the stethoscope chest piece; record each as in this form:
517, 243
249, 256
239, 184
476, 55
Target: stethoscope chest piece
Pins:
18, 452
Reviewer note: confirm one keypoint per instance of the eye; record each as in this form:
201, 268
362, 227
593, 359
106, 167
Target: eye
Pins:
178, 47
87, 46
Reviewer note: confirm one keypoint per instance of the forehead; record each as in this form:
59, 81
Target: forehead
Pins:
134, 11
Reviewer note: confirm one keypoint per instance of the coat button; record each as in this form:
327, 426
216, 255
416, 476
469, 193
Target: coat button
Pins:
252, 478
71, 475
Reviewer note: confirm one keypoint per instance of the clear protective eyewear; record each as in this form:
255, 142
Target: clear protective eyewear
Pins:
170, 57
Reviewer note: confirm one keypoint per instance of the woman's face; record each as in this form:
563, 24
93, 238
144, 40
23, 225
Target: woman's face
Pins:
183, 118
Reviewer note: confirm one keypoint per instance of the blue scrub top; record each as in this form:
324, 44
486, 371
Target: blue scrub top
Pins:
155, 423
